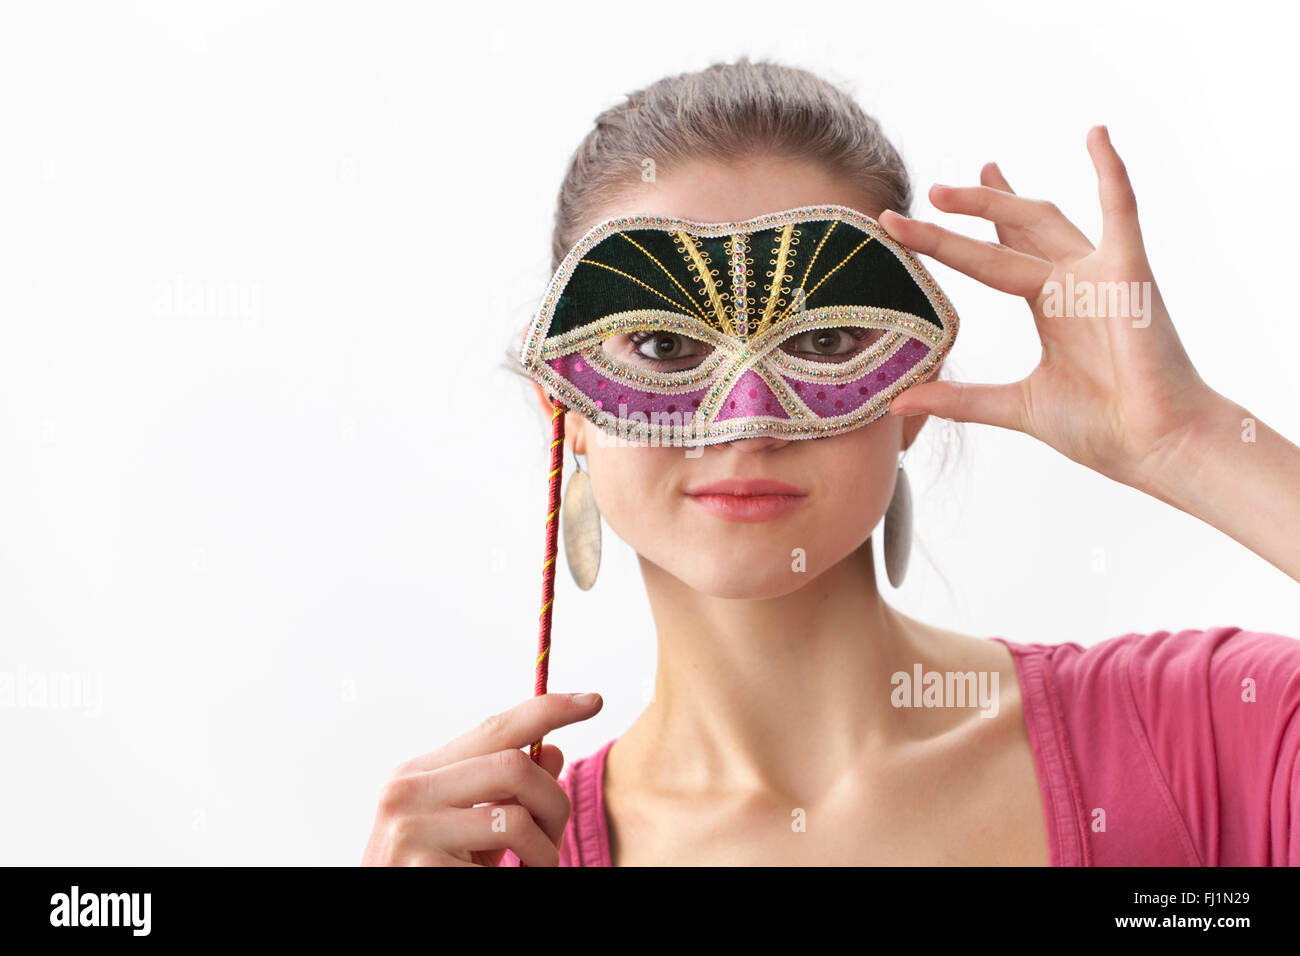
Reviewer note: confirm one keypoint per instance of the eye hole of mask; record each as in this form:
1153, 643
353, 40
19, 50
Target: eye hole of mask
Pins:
831, 345
673, 352
663, 351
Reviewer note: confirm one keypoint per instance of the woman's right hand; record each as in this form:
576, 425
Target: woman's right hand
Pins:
427, 810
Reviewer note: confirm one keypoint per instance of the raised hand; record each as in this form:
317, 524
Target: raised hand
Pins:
1114, 390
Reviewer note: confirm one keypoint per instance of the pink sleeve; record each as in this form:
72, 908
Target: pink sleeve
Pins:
1221, 713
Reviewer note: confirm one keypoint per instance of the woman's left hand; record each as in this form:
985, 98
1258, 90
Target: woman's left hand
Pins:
1114, 392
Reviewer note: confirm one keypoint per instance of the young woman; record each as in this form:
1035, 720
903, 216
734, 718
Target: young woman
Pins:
773, 736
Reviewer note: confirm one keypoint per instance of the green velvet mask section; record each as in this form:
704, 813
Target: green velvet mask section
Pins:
618, 275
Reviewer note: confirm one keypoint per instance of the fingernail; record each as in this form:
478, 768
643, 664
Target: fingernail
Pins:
584, 700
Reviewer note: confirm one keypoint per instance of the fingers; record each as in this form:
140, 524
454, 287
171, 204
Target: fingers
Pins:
481, 793
991, 175
514, 728
467, 810
551, 760
1000, 405
1016, 239
453, 836
495, 828
507, 775
1119, 221
996, 266
1054, 235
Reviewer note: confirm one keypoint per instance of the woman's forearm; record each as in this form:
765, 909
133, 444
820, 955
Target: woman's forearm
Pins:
1237, 474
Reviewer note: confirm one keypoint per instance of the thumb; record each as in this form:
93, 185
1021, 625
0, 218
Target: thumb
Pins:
551, 760
998, 405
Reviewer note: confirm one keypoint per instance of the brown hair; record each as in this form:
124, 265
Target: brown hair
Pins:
725, 111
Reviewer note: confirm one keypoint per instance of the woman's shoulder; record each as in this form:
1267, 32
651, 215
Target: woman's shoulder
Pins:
1188, 669
1197, 726
1222, 690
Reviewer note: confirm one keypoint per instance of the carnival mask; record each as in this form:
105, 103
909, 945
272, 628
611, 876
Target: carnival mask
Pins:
796, 324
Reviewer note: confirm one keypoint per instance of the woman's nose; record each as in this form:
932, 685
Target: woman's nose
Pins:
751, 445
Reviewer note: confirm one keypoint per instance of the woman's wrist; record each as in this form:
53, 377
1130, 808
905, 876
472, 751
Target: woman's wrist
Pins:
1235, 473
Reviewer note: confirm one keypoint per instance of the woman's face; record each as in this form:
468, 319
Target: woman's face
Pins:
779, 512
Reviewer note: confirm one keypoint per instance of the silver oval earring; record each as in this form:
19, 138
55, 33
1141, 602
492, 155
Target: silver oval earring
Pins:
580, 520
898, 527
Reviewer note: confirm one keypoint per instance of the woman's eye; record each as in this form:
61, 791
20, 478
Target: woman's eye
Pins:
666, 346
668, 350
830, 343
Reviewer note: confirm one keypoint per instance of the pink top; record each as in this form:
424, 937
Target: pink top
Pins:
1189, 742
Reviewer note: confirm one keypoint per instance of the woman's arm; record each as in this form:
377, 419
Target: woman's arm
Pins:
1236, 473
1115, 390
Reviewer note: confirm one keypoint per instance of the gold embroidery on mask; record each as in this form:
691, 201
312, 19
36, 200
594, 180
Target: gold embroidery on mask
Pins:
809, 294
699, 263
672, 278
630, 278
783, 252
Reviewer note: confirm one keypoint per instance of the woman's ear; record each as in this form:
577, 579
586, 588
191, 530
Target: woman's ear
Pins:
575, 433
575, 430
544, 399
912, 425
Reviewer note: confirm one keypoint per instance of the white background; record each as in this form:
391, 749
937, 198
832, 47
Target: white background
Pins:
294, 523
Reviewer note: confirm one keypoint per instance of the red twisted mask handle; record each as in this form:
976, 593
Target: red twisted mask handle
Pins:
548, 568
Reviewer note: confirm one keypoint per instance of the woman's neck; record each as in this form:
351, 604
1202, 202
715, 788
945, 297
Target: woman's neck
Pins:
775, 692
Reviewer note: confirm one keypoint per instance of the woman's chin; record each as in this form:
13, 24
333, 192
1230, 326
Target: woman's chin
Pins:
739, 582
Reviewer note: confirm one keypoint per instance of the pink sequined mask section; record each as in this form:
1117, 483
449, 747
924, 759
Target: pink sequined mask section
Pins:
827, 399
749, 398
608, 395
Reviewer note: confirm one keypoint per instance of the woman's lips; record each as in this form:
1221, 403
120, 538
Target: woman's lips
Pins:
747, 499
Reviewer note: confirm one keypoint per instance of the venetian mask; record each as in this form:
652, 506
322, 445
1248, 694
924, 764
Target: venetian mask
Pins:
798, 324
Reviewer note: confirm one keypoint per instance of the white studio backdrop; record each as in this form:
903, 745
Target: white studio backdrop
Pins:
265, 483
